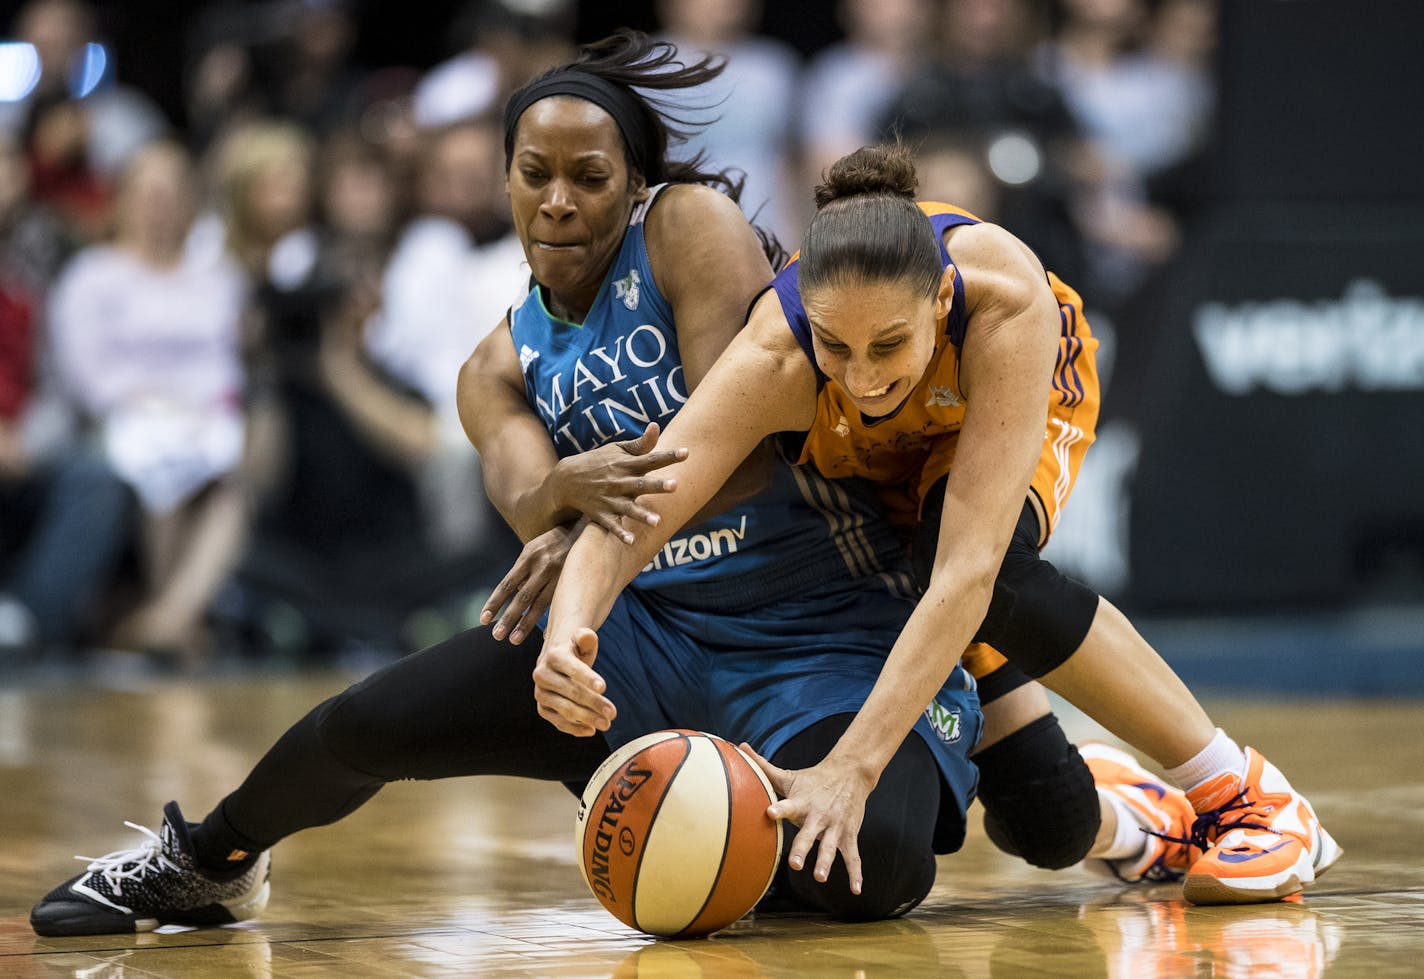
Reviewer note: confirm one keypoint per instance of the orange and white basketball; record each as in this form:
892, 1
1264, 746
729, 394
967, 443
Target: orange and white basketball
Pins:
673, 835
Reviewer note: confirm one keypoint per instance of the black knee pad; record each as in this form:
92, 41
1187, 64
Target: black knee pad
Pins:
1038, 616
1038, 795
1000, 682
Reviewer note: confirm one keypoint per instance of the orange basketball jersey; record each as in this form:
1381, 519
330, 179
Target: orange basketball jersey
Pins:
908, 451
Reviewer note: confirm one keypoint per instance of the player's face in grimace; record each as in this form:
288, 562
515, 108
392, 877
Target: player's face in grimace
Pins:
873, 338
571, 193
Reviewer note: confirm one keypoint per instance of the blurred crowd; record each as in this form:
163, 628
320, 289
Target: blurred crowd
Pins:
229, 342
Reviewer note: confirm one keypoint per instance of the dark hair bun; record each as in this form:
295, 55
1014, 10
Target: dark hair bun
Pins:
887, 169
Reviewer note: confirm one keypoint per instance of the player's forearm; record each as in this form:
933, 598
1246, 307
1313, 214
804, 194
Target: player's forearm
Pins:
531, 505
597, 569
924, 655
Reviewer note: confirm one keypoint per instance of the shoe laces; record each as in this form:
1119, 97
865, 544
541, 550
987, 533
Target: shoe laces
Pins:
1211, 822
134, 863
1158, 872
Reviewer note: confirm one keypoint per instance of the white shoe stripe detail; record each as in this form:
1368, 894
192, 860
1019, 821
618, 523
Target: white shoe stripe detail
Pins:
93, 895
1289, 820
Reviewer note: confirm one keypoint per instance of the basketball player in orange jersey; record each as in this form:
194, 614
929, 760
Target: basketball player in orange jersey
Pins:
931, 375
770, 624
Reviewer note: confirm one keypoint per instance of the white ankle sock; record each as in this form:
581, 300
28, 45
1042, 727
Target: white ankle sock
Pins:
1128, 840
1220, 755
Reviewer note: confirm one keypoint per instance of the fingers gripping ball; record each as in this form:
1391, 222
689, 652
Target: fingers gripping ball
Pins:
673, 834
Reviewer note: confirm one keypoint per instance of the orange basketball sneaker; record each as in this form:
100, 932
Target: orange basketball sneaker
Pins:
1262, 839
1156, 803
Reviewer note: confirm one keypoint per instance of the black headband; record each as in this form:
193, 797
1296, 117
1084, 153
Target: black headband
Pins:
617, 101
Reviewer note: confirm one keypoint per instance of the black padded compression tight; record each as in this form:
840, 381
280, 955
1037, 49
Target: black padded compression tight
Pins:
896, 852
466, 707
462, 707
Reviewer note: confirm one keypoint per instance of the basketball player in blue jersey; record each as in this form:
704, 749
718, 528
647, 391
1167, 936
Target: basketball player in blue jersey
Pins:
766, 622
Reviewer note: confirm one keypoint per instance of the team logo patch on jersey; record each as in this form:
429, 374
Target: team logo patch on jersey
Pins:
527, 357
942, 398
944, 721
626, 289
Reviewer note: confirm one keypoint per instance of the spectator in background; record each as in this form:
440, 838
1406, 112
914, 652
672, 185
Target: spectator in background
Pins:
148, 344
279, 59
746, 115
73, 63
429, 319
956, 169
977, 95
849, 86
62, 509
1182, 45
56, 145
1140, 117
1136, 79
455, 272
503, 43
340, 562
221, 87
313, 80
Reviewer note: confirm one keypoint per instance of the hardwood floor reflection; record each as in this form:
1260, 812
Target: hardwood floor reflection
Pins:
477, 877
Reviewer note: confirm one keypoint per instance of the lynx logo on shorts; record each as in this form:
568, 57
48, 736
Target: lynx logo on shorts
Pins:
627, 289
944, 720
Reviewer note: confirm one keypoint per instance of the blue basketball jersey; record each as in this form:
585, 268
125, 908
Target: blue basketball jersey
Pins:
609, 377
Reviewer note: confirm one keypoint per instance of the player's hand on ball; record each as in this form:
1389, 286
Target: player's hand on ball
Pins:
828, 802
568, 692
605, 483
527, 589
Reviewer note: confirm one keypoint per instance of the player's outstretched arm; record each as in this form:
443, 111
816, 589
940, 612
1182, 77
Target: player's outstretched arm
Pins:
761, 385
1008, 360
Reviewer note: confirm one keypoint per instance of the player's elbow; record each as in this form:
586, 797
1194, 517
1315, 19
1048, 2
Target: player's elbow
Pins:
965, 585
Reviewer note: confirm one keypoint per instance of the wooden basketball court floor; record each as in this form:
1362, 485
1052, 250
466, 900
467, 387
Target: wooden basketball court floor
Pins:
476, 877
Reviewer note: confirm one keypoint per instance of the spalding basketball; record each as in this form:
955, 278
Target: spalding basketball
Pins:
673, 835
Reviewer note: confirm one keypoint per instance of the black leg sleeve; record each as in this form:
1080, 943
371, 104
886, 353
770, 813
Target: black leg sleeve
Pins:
896, 856
1037, 616
463, 707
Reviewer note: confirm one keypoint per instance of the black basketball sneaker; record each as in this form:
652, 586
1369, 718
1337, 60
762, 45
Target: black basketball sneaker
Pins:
155, 883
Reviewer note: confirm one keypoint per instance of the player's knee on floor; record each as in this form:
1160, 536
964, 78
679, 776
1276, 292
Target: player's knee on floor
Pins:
896, 833
1039, 799
896, 878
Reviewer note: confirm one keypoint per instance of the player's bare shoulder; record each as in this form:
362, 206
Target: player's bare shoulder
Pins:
1000, 273
683, 209
782, 365
696, 234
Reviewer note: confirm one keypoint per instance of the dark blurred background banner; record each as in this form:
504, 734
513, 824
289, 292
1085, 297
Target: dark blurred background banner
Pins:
1282, 413
1282, 400
1320, 101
